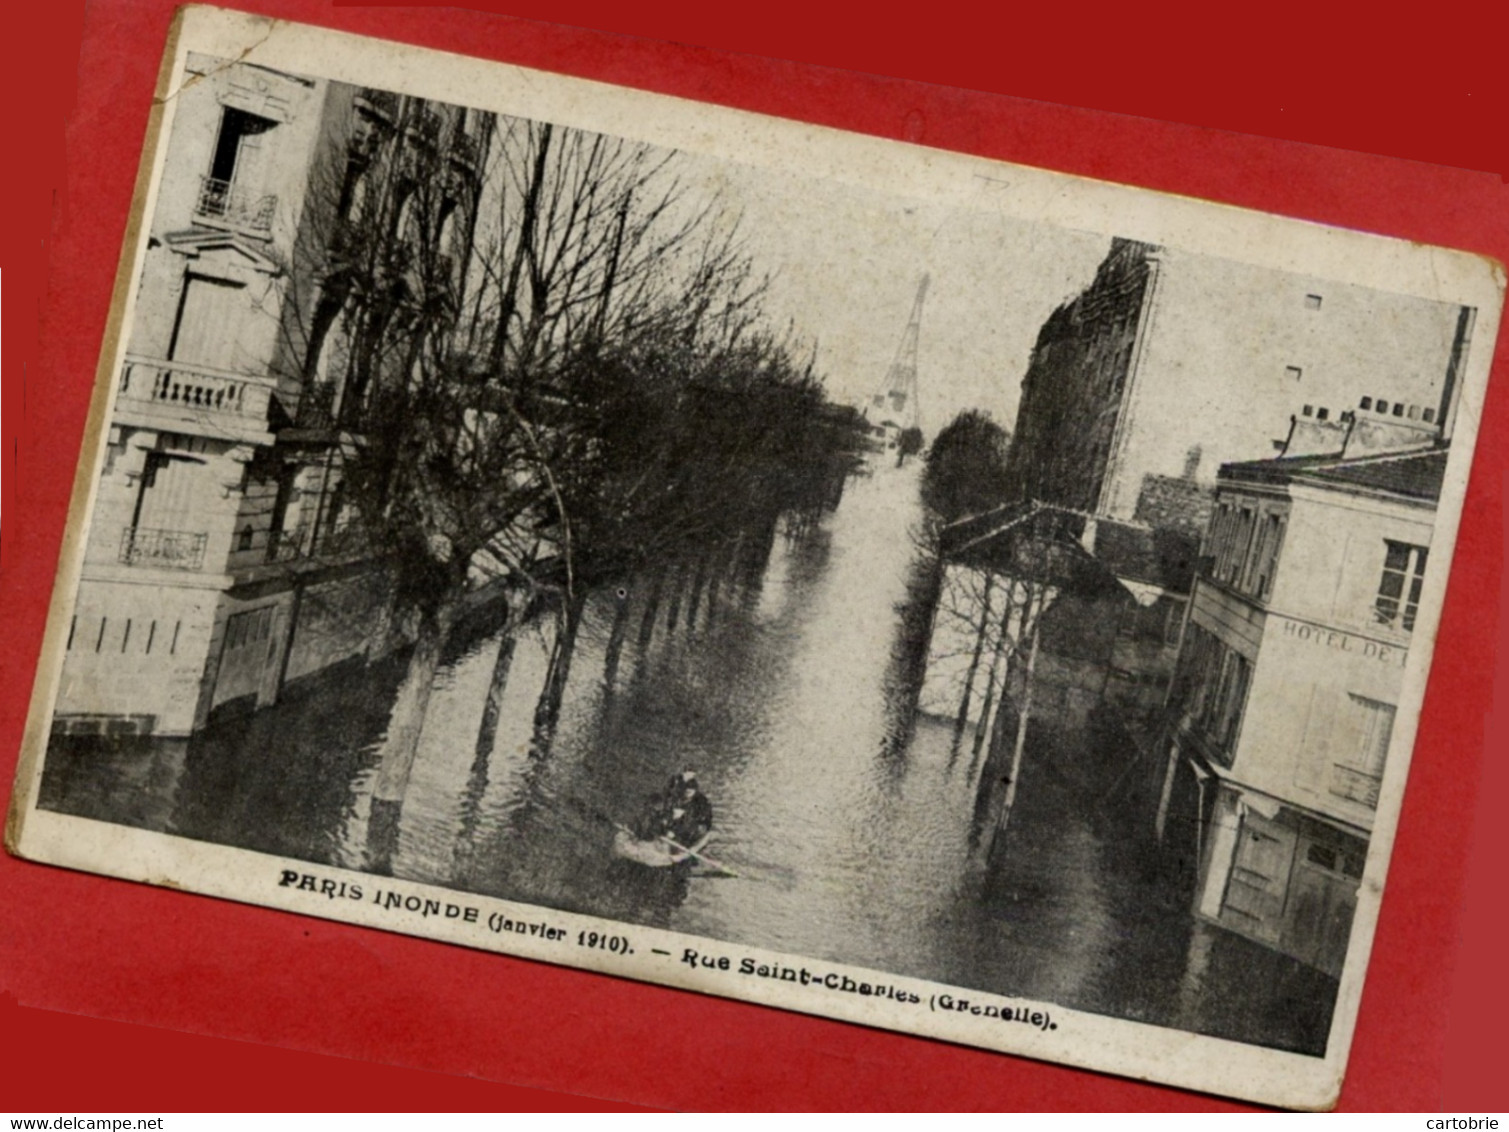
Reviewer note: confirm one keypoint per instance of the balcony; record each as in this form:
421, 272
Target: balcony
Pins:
222, 204
163, 550
1355, 785
195, 399
286, 546
303, 544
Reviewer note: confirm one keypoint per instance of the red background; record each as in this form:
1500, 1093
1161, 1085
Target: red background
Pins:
336, 1007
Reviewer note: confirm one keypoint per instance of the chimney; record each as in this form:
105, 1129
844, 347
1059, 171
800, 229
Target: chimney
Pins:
1192, 463
1311, 437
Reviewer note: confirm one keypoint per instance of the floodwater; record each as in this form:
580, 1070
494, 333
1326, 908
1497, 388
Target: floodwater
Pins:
849, 825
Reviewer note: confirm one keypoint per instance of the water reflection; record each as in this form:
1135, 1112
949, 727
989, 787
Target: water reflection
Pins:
853, 827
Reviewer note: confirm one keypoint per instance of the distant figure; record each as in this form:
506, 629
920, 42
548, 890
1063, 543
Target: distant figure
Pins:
681, 813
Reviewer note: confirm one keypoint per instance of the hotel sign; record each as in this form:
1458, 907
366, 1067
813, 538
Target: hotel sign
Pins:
1335, 639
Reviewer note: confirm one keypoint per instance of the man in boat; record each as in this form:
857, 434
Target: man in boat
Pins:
682, 813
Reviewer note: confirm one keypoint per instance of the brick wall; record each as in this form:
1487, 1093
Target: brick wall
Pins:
1174, 504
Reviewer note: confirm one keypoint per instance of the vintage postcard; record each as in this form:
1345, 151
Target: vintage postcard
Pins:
722, 552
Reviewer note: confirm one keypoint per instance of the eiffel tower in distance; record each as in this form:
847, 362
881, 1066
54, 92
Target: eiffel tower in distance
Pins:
893, 408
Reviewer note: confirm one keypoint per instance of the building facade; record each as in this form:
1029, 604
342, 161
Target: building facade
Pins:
1288, 680
220, 563
1169, 355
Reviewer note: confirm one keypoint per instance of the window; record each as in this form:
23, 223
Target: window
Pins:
231, 191
1367, 403
1234, 553
1308, 410
1226, 719
1174, 625
285, 505
1335, 860
1241, 546
1322, 413
1247, 569
244, 629
1428, 416
1197, 669
1368, 725
1322, 855
1398, 409
1398, 597
1381, 405
1312, 302
1257, 579
238, 133
1220, 535
1214, 682
1213, 532
207, 327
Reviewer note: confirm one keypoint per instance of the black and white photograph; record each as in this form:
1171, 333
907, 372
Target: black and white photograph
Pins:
721, 552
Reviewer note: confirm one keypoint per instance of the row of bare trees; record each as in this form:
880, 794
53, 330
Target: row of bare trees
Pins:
542, 360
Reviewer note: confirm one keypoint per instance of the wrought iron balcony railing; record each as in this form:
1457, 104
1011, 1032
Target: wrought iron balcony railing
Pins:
222, 201
301, 543
164, 550
285, 546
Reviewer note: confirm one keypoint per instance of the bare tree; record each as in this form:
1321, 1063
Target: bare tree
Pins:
512, 334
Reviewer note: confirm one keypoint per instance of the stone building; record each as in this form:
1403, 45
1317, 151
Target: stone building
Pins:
1166, 367
220, 565
1288, 679
1168, 355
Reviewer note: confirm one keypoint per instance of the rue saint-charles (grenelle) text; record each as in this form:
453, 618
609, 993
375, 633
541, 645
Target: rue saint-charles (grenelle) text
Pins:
847, 984
425, 906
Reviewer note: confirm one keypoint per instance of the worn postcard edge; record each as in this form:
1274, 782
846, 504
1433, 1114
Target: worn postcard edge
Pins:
1066, 200
86, 475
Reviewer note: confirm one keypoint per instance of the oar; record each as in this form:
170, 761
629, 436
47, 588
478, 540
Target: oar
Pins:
703, 858
680, 848
601, 815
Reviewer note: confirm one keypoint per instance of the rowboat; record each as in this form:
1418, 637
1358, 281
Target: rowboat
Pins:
655, 852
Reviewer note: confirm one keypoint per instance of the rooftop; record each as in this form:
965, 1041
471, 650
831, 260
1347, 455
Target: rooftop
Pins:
1158, 556
1415, 474
1048, 543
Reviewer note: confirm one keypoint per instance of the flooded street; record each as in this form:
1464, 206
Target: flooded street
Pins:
848, 828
